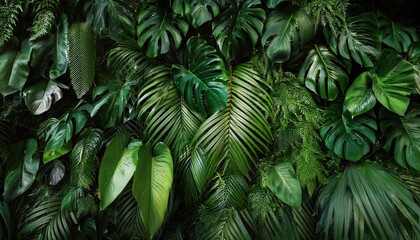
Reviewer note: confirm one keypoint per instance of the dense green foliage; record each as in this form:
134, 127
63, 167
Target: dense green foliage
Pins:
209, 119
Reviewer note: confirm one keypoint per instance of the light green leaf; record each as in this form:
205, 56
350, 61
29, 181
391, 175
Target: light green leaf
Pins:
48, 156
282, 181
40, 96
359, 97
152, 185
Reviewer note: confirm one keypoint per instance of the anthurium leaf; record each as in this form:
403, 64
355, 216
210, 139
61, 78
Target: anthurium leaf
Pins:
396, 35
359, 39
324, 73
359, 97
14, 65
159, 30
23, 164
60, 58
349, 138
117, 167
287, 29
202, 81
152, 185
403, 136
393, 82
40, 96
282, 181
56, 153
274, 3
238, 28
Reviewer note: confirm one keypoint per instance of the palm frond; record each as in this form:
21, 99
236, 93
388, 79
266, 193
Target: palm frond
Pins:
130, 222
9, 13
44, 11
305, 220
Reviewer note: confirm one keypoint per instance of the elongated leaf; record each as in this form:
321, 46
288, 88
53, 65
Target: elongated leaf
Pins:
59, 66
359, 39
238, 28
202, 81
324, 73
229, 226
117, 167
282, 181
22, 168
413, 57
359, 97
14, 65
152, 185
349, 138
287, 30
40, 97
82, 57
160, 30
403, 136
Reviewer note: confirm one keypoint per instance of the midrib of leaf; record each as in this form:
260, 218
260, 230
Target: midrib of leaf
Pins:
152, 174
408, 133
163, 21
324, 64
286, 29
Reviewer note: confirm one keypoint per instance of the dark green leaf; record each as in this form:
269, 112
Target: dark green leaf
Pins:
274, 3
60, 58
359, 97
40, 96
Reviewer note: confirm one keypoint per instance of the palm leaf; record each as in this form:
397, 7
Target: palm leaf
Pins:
82, 57
44, 11
129, 219
305, 221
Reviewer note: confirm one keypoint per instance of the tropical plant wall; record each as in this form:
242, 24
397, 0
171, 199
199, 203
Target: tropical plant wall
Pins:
209, 119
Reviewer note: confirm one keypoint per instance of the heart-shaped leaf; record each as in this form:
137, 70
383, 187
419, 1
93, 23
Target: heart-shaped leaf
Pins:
40, 97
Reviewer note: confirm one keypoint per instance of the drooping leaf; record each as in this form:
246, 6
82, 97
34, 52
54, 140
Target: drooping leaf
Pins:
40, 96
160, 30
117, 167
238, 28
82, 57
287, 30
282, 181
60, 57
349, 138
152, 185
403, 136
359, 97
202, 81
324, 73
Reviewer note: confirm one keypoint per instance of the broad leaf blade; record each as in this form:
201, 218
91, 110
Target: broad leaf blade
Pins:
40, 96
60, 58
359, 97
282, 181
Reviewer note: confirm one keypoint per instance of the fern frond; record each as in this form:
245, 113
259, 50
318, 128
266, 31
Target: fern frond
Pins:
329, 13
9, 13
44, 20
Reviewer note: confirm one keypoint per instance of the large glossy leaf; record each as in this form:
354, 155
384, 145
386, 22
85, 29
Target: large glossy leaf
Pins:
359, 97
396, 35
22, 167
82, 57
358, 40
287, 29
413, 57
366, 202
40, 96
349, 138
60, 58
160, 30
202, 81
403, 136
324, 73
14, 66
152, 185
198, 12
282, 181
117, 167
238, 28
235, 136
274, 3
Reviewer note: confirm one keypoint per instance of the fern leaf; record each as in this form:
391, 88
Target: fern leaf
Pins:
8, 19
82, 57
44, 18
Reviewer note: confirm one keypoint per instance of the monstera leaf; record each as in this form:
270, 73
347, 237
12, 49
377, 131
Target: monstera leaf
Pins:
202, 81
396, 35
287, 29
360, 97
359, 39
324, 73
159, 30
403, 136
198, 12
349, 138
238, 28
40, 97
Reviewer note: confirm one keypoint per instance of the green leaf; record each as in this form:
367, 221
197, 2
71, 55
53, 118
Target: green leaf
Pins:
396, 35
202, 81
359, 97
48, 156
393, 82
152, 185
40, 96
159, 30
22, 166
274, 3
324, 73
287, 30
413, 57
359, 39
82, 57
403, 136
349, 138
14, 65
238, 28
282, 181
117, 167
60, 58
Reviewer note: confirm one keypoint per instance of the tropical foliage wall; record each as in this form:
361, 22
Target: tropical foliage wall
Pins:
209, 119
